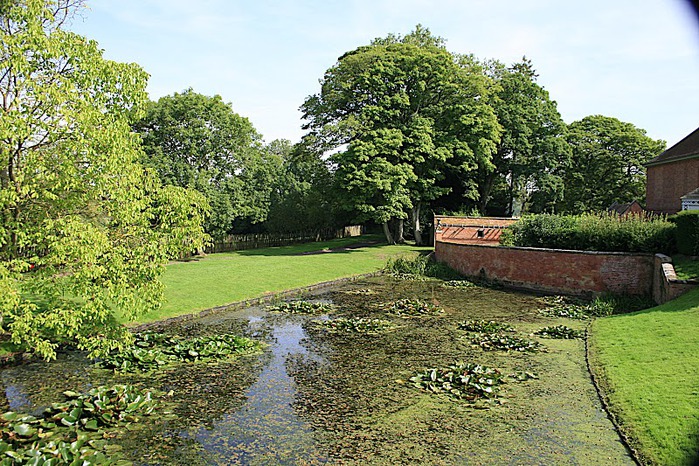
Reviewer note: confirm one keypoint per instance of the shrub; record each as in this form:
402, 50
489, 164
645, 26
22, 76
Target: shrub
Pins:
687, 232
420, 266
592, 232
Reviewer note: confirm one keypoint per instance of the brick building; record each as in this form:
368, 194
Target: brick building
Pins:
672, 175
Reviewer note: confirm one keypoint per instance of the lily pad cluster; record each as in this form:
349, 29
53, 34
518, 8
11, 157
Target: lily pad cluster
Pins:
356, 325
360, 292
153, 351
564, 306
560, 332
411, 308
459, 284
409, 276
471, 382
484, 326
72, 432
302, 307
503, 342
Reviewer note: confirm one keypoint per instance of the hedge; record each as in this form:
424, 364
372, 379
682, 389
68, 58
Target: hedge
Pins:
593, 232
687, 232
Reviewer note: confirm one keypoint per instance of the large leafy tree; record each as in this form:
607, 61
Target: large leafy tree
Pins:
398, 110
302, 198
84, 229
607, 163
199, 142
532, 153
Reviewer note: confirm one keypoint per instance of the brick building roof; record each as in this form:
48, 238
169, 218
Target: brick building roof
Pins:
685, 149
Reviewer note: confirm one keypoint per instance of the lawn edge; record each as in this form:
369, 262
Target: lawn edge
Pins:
602, 387
236, 305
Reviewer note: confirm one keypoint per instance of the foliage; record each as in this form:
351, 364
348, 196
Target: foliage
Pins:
687, 232
72, 432
302, 197
153, 351
416, 266
84, 229
686, 268
560, 332
532, 153
607, 163
591, 232
484, 326
401, 111
470, 382
459, 284
502, 342
356, 325
302, 307
565, 306
360, 291
411, 308
645, 362
196, 141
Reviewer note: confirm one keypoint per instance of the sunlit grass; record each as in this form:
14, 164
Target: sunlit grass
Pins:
648, 364
686, 268
223, 278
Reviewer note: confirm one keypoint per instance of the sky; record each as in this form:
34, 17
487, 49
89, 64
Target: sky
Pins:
635, 60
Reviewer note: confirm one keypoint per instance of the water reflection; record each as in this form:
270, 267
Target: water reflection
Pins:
266, 428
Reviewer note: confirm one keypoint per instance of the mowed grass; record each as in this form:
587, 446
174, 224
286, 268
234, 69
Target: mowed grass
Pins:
224, 278
686, 268
648, 363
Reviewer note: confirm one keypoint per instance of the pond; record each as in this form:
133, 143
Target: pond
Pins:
319, 397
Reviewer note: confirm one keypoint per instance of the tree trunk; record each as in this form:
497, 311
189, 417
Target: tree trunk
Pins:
387, 232
485, 191
400, 226
417, 228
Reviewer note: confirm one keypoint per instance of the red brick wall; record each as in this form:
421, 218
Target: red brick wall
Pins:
668, 182
465, 229
551, 270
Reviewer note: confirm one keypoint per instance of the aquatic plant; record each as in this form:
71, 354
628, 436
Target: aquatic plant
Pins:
411, 308
471, 382
72, 432
301, 307
484, 326
560, 332
502, 342
565, 306
357, 325
153, 351
459, 284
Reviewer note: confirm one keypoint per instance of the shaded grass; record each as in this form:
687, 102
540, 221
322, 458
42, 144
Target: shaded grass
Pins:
647, 362
220, 279
686, 268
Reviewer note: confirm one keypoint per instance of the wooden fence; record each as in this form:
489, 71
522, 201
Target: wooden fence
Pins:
265, 240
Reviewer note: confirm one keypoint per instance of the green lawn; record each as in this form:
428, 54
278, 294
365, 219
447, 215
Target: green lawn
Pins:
648, 363
686, 268
223, 278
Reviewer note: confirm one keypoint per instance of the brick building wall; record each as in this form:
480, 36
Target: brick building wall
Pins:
668, 182
470, 230
551, 270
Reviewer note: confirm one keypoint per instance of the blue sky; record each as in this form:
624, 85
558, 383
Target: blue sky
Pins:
636, 60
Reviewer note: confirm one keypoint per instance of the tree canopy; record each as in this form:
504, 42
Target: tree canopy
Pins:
84, 229
532, 153
607, 163
196, 141
398, 110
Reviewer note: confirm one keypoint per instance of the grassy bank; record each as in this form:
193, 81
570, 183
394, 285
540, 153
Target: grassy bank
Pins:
686, 268
647, 363
223, 278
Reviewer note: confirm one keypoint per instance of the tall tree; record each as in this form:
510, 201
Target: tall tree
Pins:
398, 110
197, 141
302, 198
607, 163
84, 229
533, 151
